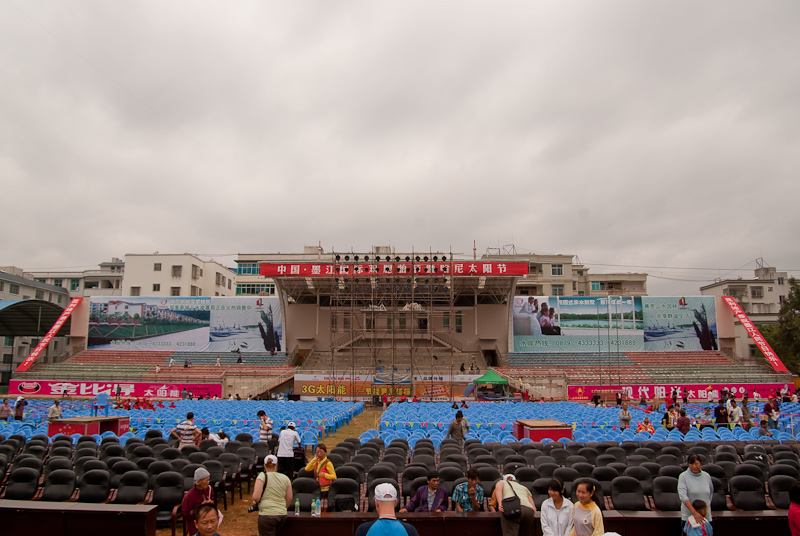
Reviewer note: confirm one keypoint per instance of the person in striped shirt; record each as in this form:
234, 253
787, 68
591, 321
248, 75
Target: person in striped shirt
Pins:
264, 427
186, 432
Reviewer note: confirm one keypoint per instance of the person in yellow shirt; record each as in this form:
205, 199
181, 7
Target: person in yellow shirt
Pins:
322, 468
587, 519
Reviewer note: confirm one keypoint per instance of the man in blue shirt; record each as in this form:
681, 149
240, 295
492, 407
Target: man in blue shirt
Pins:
468, 496
387, 523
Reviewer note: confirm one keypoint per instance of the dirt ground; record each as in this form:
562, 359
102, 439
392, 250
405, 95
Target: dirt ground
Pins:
237, 522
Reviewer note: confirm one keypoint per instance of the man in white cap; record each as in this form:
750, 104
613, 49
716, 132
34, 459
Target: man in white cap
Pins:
19, 408
286, 442
387, 523
201, 493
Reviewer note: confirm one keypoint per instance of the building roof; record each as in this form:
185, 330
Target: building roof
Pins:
5, 276
29, 318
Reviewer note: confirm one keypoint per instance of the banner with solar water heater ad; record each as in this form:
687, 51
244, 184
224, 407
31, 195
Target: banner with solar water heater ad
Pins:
197, 324
573, 324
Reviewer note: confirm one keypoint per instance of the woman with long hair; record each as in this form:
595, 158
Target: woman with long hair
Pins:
556, 513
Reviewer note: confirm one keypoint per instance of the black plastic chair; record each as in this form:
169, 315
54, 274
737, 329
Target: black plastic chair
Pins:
155, 469
567, 475
21, 484
538, 489
350, 472
343, 487
306, 490
133, 487
665, 494
167, 496
779, 486
94, 486
119, 469
747, 493
188, 475
627, 494
233, 478
217, 471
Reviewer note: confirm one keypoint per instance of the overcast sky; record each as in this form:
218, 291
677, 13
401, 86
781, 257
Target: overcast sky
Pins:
641, 136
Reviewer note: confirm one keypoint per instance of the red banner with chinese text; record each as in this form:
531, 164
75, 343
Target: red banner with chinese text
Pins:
25, 365
473, 268
759, 339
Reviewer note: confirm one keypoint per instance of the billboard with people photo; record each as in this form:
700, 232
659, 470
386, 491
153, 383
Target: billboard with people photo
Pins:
571, 324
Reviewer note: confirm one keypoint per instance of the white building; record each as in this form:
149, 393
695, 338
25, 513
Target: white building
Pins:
13, 349
176, 275
760, 297
107, 281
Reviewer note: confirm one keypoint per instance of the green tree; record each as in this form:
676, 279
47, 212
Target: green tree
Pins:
784, 337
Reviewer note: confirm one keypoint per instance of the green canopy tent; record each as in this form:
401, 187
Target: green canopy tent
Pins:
490, 378
491, 386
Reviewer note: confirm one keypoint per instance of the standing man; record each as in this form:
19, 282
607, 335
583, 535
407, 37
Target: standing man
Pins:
264, 427
387, 523
19, 408
54, 412
735, 414
772, 409
625, 416
286, 442
186, 432
468, 496
456, 430
721, 413
430, 498
118, 392
5, 410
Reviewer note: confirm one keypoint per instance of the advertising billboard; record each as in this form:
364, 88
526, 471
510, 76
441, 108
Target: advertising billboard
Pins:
197, 324
571, 324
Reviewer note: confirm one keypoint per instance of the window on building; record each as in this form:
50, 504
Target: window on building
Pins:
769, 289
156, 266
756, 292
59, 298
55, 346
196, 272
40, 280
558, 290
177, 271
13, 288
74, 284
196, 291
254, 289
598, 285
401, 320
581, 293
175, 291
2, 286
221, 279
39, 294
557, 269
580, 272
8, 358
229, 284
459, 322
781, 298
136, 291
523, 292
216, 294
249, 268
446, 322
8, 341
156, 287
58, 282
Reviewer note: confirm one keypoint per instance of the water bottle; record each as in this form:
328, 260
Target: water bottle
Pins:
318, 509
314, 508
297, 507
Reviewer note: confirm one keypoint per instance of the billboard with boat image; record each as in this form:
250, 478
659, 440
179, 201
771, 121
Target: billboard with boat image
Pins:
191, 324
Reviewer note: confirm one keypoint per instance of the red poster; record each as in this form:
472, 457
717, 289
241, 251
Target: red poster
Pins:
759, 339
25, 365
473, 268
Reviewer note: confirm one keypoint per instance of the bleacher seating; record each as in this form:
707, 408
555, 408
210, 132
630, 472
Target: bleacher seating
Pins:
638, 368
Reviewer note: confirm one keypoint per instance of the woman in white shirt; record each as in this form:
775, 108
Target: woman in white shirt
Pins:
556, 513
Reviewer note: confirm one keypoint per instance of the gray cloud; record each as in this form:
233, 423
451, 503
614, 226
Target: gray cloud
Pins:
631, 133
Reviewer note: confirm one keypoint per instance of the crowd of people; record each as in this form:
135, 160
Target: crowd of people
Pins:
729, 412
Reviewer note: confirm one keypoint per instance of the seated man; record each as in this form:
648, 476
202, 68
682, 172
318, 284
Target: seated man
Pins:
468, 496
430, 498
645, 426
763, 430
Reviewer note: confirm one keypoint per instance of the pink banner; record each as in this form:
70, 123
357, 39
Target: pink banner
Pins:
759, 339
695, 391
35, 388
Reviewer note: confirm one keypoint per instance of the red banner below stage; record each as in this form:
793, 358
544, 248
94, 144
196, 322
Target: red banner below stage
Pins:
759, 339
481, 269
